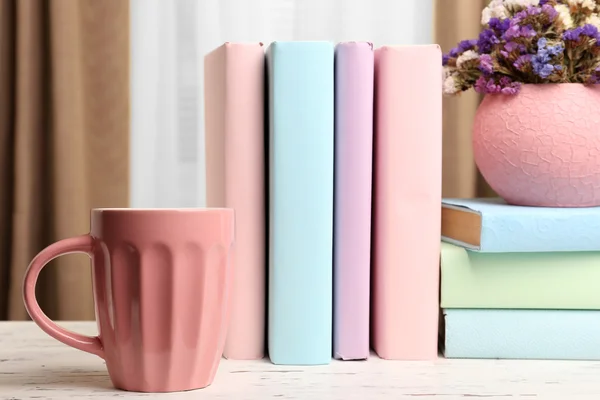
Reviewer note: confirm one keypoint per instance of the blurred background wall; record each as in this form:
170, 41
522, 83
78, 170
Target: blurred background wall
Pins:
101, 106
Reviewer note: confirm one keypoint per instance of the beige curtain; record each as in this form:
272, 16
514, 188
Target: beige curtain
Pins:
456, 20
64, 139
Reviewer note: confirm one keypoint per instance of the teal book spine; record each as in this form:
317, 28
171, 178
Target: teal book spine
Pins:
301, 165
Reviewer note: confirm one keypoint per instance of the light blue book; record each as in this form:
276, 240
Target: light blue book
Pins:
301, 140
492, 226
522, 334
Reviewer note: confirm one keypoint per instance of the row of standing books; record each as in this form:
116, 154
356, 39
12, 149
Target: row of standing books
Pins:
331, 157
520, 282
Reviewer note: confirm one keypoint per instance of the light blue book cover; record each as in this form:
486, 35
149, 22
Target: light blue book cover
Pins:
301, 152
522, 334
502, 228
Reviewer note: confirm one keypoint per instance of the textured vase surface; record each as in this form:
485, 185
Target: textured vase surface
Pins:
541, 147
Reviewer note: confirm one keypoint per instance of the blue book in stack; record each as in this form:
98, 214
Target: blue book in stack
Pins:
520, 282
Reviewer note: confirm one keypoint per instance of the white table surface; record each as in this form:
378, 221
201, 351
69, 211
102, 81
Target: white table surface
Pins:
35, 366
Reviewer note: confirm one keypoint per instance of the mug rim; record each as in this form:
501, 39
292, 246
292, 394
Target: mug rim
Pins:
182, 209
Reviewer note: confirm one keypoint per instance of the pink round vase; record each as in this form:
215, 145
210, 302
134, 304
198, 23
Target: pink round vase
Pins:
542, 146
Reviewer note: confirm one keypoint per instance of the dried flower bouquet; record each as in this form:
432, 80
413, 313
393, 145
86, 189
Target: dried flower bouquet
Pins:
528, 42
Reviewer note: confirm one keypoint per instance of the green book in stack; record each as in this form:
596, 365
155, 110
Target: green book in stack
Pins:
520, 282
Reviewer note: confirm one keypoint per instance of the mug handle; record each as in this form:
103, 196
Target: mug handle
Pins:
79, 244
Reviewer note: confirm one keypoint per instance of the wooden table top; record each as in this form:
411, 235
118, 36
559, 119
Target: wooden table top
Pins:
35, 366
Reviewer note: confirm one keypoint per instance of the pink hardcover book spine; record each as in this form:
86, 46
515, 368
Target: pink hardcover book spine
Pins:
354, 69
407, 198
235, 178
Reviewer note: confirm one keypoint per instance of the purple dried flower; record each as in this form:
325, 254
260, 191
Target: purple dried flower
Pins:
487, 39
551, 50
510, 90
572, 34
549, 11
542, 61
499, 25
589, 30
485, 64
546, 9
517, 31
485, 85
531, 10
575, 34
489, 86
507, 86
514, 46
511, 47
458, 50
522, 62
467, 45
543, 70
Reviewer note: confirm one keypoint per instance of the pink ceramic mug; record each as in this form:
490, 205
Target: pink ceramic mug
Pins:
161, 280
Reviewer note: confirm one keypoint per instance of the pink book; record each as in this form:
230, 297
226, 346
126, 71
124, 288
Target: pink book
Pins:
235, 178
407, 197
354, 66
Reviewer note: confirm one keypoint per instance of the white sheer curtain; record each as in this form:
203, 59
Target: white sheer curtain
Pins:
168, 43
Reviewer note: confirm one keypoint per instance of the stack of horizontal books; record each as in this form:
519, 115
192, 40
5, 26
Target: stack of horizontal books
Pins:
520, 282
